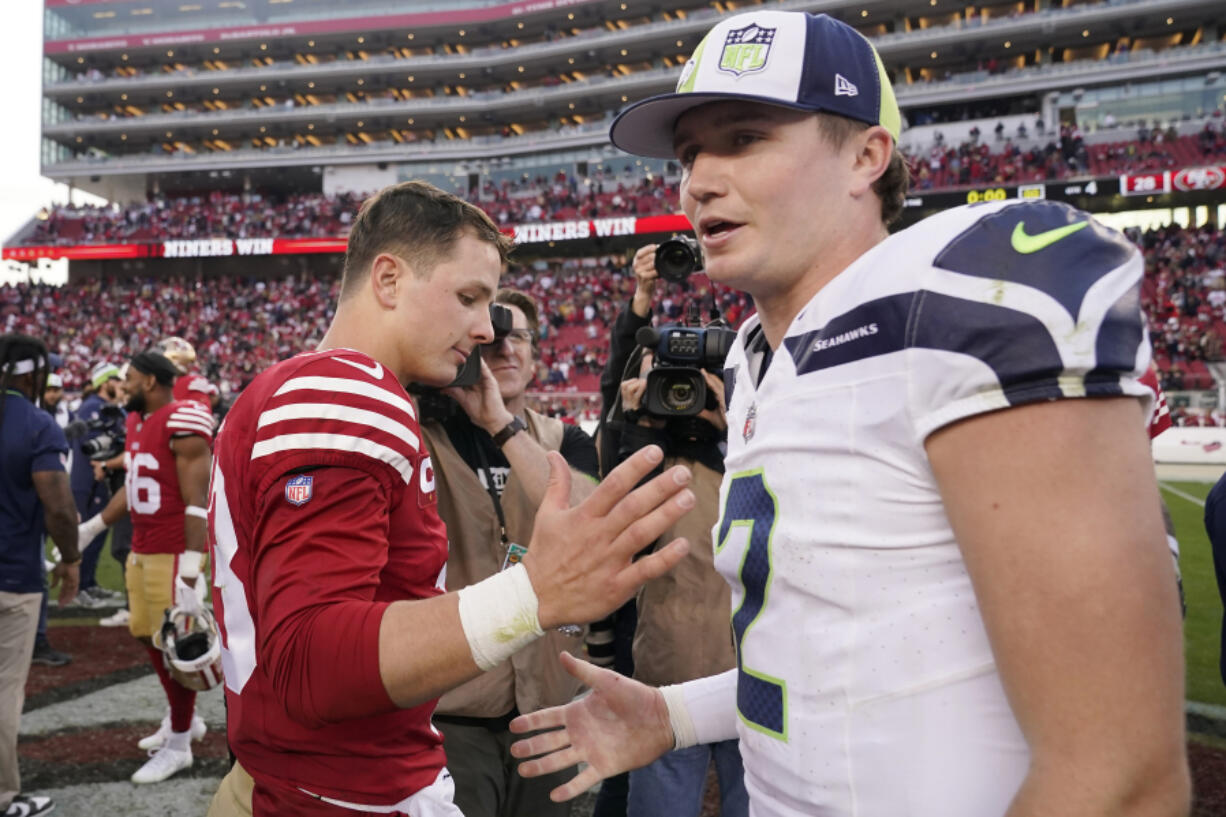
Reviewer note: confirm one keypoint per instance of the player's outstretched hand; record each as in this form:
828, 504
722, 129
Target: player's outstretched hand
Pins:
68, 578
581, 559
621, 725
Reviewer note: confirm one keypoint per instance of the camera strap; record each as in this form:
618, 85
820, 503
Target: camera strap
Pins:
484, 462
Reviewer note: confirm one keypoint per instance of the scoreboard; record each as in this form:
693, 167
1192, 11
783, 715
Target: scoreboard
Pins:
1057, 191
1184, 180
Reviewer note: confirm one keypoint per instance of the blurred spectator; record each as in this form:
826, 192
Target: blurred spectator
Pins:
99, 414
53, 399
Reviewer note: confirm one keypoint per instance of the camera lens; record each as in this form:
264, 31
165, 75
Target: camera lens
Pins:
677, 258
679, 396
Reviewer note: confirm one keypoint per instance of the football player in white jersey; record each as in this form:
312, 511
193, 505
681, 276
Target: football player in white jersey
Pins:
950, 589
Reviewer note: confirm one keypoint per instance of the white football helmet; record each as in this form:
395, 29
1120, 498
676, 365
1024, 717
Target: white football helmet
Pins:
191, 648
179, 352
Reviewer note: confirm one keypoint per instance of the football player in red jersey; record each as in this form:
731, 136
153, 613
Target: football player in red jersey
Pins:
167, 457
328, 551
190, 385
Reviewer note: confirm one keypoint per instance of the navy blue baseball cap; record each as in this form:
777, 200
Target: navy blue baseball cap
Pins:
807, 62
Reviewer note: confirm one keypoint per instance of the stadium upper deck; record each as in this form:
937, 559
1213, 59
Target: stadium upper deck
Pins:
147, 95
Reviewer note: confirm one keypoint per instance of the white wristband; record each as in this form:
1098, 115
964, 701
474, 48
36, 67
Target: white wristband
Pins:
196, 511
88, 530
189, 564
499, 616
703, 710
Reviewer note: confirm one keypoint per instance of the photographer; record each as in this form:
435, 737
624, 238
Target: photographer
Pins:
98, 416
490, 472
683, 630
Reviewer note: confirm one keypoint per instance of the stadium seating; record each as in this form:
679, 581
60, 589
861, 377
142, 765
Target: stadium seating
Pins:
240, 327
637, 192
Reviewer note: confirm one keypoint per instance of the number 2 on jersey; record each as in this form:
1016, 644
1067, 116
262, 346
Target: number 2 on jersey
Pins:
761, 699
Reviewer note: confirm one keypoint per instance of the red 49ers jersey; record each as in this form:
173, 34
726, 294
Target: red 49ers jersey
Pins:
195, 386
154, 499
1160, 416
322, 512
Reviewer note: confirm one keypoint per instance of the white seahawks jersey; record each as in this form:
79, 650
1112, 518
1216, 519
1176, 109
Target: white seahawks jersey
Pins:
866, 685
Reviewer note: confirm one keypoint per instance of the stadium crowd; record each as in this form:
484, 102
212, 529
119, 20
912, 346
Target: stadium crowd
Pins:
214, 215
242, 326
253, 215
1184, 295
635, 191
1059, 155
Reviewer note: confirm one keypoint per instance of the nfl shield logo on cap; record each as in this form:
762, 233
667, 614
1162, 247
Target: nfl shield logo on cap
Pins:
746, 49
806, 62
298, 490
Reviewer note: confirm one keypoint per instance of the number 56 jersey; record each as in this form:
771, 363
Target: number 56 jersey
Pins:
866, 684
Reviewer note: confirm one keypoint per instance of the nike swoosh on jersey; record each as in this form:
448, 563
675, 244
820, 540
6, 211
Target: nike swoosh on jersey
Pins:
375, 371
1026, 244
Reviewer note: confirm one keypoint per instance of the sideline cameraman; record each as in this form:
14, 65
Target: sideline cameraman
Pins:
490, 472
684, 629
91, 494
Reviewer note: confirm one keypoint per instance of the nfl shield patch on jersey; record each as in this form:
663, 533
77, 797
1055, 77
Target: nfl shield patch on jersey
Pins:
298, 489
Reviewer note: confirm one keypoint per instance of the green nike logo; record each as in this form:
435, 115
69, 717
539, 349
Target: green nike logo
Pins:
1026, 244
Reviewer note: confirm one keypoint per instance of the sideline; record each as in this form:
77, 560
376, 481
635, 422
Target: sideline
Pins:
1181, 494
1205, 719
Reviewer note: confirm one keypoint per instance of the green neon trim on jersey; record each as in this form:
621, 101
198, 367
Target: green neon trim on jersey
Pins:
770, 576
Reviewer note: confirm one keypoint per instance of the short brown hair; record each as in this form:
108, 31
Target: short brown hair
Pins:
891, 187
418, 222
524, 302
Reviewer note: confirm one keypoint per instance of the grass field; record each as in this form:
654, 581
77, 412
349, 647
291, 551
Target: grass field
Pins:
1203, 626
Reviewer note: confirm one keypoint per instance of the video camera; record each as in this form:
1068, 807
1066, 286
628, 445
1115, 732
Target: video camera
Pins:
675, 384
678, 258
436, 405
109, 442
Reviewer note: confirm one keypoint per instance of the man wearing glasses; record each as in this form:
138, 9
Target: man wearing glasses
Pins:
490, 473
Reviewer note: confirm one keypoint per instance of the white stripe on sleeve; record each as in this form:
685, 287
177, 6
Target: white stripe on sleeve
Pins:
337, 412
207, 430
346, 386
178, 417
335, 442
191, 418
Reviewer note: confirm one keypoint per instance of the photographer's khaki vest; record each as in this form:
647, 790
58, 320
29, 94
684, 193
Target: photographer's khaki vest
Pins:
685, 616
533, 678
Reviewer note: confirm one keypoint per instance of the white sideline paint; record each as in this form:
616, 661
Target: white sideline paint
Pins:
1181, 494
131, 701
